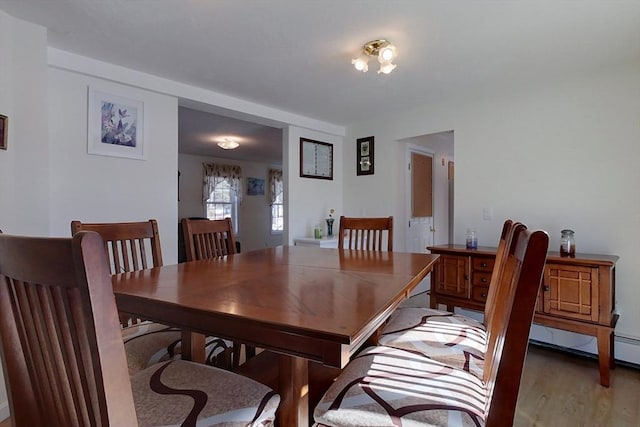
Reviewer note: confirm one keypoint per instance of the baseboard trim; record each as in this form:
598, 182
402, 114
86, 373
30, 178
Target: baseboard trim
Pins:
581, 353
627, 350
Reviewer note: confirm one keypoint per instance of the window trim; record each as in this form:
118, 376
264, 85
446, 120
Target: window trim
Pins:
234, 202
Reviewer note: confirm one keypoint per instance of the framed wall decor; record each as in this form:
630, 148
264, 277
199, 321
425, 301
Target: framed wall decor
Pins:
316, 159
255, 187
364, 156
4, 123
115, 126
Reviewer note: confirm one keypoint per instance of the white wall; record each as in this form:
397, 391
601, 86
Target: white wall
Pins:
308, 200
562, 154
254, 213
24, 190
23, 93
93, 188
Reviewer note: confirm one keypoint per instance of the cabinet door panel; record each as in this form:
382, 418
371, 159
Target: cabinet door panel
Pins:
571, 291
453, 275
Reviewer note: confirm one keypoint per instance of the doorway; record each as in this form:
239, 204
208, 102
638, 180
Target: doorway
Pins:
420, 229
436, 185
439, 229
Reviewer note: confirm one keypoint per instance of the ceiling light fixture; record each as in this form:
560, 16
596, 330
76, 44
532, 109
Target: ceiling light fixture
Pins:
228, 144
383, 49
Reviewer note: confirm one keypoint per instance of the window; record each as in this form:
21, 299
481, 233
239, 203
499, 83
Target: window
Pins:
277, 214
222, 202
222, 192
276, 194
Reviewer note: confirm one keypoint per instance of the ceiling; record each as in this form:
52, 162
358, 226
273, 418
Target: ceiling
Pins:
295, 55
199, 132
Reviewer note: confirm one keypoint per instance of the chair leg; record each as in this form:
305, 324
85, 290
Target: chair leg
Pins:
224, 360
249, 351
237, 348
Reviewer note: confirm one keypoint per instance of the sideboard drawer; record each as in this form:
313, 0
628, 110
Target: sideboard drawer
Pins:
483, 264
480, 293
481, 278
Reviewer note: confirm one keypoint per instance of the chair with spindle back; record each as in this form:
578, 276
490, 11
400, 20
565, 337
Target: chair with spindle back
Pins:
454, 339
130, 246
208, 239
366, 233
133, 246
384, 386
64, 359
211, 239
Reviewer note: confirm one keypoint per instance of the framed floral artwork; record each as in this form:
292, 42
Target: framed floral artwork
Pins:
364, 156
115, 126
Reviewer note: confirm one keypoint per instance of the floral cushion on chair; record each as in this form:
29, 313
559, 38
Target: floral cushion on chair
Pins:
452, 339
384, 386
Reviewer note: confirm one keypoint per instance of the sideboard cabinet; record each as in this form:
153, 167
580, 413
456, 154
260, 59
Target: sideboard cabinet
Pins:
577, 294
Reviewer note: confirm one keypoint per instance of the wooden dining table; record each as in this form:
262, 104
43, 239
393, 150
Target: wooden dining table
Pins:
304, 303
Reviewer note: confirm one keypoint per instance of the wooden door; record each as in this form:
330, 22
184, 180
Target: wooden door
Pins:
421, 185
420, 231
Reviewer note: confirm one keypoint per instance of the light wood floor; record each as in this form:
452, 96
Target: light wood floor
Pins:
559, 389
562, 390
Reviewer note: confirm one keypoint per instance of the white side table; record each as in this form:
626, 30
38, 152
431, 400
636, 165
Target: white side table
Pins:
325, 242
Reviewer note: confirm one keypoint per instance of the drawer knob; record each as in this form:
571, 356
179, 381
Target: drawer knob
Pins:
483, 295
545, 288
484, 264
483, 280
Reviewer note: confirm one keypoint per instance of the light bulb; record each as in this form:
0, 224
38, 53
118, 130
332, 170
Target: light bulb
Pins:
386, 68
387, 53
360, 64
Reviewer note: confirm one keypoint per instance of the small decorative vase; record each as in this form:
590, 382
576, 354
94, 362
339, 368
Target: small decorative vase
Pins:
329, 226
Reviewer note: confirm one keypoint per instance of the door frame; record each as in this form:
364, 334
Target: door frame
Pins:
412, 148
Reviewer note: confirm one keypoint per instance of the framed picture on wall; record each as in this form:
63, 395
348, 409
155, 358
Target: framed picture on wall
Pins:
316, 159
364, 156
255, 187
115, 126
4, 122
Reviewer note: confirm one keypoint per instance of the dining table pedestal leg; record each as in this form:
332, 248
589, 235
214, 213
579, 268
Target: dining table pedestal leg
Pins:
294, 391
192, 346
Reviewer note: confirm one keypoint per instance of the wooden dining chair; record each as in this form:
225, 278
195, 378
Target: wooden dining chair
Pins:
385, 386
208, 239
211, 239
451, 338
133, 246
130, 246
64, 359
366, 233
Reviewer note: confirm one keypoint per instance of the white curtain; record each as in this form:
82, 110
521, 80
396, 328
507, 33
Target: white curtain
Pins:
231, 173
275, 185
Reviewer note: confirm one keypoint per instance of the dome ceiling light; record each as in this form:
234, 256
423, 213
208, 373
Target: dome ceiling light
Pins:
228, 144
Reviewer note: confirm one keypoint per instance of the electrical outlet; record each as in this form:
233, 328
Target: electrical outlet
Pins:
487, 214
